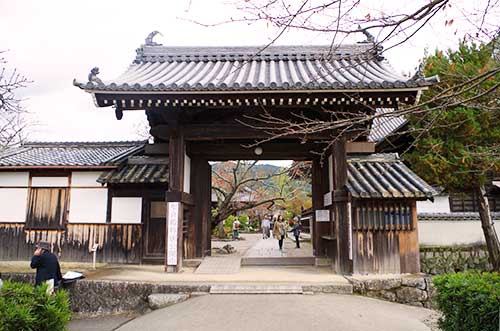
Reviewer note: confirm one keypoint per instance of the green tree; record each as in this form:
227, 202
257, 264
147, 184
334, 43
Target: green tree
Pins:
458, 142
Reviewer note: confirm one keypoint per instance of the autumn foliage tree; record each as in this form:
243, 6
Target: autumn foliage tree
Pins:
457, 146
242, 186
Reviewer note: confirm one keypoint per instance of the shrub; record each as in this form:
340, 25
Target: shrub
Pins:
469, 301
27, 308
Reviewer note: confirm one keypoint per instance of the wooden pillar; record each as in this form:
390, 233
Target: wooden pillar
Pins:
200, 223
175, 208
409, 248
341, 210
319, 188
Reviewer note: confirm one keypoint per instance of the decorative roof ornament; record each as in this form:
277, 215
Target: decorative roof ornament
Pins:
369, 37
93, 76
419, 74
149, 39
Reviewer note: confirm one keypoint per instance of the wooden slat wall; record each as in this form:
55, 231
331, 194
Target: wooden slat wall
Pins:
385, 238
46, 207
118, 243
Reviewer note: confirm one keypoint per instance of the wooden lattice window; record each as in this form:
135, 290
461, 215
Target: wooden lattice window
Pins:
46, 208
382, 216
468, 202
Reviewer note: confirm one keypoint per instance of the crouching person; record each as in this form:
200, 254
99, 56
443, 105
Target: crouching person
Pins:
47, 267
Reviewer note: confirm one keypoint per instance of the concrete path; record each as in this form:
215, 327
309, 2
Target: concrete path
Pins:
269, 248
283, 312
104, 323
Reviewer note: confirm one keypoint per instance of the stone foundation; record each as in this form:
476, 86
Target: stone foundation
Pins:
410, 290
445, 259
107, 297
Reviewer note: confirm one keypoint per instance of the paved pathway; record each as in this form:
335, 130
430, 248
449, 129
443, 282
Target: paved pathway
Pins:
283, 312
269, 248
219, 265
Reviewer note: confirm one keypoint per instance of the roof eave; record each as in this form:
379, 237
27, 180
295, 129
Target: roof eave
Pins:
269, 91
48, 167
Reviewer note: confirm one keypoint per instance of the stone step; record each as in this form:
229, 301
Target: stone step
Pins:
255, 289
278, 261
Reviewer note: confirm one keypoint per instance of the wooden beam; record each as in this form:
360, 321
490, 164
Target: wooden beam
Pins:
156, 149
178, 196
270, 151
235, 130
361, 147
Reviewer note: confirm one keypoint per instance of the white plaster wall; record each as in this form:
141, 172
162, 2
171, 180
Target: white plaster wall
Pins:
85, 178
13, 203
13, 178
441, 204
88, 205
445, 233
49, 181
187, 174
126, 210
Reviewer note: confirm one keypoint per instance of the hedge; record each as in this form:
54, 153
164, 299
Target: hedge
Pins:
24, 307
469, 301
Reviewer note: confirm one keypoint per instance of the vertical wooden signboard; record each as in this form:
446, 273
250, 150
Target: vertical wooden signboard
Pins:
172, 237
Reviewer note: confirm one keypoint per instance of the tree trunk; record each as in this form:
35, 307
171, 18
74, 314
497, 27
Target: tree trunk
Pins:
220, 227
490, 234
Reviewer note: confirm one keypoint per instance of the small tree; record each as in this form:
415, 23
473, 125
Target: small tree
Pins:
458, 146
12, 122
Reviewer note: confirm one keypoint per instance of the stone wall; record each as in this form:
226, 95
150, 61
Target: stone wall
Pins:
445, 259
410, 290
106, 297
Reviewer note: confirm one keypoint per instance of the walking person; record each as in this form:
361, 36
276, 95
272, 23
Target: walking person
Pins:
271, 225
296, 229
266, 225
236, 229
46, 265
279, 231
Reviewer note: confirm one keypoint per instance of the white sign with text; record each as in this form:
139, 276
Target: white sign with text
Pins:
173, 226
322, 215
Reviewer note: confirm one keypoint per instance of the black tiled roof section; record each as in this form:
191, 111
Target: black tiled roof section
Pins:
138, 170
384, 176
295, 68
69, 153
385, 124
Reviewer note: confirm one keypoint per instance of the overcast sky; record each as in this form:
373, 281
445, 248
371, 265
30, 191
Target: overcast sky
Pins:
52, 42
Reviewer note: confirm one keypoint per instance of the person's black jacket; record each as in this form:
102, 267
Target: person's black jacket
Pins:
296, 229
47, 267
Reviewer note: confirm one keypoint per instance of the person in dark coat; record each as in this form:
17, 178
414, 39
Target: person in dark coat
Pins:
46, 265
296, 229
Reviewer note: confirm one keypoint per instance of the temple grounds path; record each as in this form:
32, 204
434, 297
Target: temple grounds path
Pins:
284, 312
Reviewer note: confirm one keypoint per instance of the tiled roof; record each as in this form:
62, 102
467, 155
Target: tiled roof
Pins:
138, 170
197, 69
384, 176
383, 126
453, 217
69, 153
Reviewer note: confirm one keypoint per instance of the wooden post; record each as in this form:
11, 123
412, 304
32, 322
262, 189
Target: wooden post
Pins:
201, 190
317, 203
341, 208
175, 208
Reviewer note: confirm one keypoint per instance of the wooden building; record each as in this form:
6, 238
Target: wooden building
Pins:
198, 101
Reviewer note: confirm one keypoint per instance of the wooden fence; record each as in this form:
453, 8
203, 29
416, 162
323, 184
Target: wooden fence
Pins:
118, 243
384, 237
